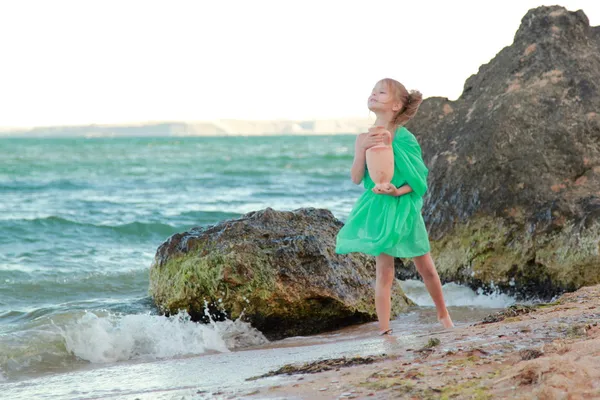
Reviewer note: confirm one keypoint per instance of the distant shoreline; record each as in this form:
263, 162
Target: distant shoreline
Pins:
141, 136
218, 128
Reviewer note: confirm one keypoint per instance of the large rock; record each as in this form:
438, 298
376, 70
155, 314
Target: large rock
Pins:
514, 183
277, 268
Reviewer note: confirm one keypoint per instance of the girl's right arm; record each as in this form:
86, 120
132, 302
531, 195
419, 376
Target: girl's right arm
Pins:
363, 142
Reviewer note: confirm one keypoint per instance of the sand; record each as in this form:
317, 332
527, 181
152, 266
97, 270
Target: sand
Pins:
549, 351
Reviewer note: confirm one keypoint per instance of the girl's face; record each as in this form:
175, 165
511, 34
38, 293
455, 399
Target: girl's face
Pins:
382, 100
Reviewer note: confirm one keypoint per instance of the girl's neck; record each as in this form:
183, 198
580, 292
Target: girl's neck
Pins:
385, 122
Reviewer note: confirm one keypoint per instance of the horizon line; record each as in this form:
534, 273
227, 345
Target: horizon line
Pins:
172, 121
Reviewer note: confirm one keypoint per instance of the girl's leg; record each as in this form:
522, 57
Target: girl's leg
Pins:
427, 270
384, 265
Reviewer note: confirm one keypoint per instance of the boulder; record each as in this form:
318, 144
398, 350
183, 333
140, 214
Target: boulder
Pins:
277, 268
514, 185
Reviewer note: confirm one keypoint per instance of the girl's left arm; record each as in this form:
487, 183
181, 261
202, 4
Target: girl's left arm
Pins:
404, 189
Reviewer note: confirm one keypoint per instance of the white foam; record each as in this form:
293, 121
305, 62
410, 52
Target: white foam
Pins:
239, 334
110, 338
456, 295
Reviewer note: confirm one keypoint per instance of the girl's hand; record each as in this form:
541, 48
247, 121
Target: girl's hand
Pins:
375, 137
388, 189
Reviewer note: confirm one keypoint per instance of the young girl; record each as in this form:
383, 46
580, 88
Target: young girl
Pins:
387, 222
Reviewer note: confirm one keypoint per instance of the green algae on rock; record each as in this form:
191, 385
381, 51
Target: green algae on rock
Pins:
499, 254
276, 268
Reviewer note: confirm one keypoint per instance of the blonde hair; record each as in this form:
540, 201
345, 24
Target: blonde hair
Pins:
410, 101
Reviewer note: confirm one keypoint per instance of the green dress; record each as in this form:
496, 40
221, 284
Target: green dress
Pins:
380, 223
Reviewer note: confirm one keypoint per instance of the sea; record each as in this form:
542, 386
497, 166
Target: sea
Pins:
80, 222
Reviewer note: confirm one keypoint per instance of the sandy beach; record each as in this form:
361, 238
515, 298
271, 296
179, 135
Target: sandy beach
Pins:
549, 351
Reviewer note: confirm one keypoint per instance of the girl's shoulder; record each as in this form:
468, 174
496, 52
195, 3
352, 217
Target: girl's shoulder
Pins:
405, 136
360, 137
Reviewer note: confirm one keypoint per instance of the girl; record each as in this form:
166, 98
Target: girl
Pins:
387, 222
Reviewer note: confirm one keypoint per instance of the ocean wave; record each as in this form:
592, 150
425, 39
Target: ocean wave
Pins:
111, 338
456, 296
183, 220
66, 342
30, 302
25, 186
56, 223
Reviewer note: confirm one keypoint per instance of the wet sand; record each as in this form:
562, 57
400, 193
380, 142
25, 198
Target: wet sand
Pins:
549, 351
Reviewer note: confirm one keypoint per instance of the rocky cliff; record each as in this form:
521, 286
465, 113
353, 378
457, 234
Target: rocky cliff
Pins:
514, 185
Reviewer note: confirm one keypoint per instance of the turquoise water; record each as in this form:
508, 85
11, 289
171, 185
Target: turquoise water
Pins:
81, 219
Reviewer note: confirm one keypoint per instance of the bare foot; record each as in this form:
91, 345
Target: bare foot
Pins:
386, 332
446, 322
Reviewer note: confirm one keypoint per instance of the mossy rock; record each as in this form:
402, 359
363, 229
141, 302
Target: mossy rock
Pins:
494, 254
277, 269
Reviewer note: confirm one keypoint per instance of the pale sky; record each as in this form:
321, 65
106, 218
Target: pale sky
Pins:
83, 61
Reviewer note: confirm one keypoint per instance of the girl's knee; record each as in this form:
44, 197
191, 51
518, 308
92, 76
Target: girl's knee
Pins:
426, 272
385, 276
425, 266
385, 270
